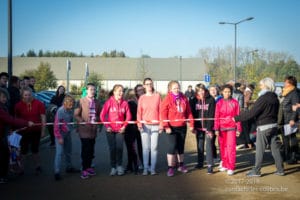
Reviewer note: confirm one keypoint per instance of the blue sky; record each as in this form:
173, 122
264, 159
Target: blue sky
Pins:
159, 28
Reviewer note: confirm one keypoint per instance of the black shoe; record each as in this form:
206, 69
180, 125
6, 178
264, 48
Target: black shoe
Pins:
292, 162
72, 170
57, 177
3, 180
198, 166
210, 170
253, 173
279, 173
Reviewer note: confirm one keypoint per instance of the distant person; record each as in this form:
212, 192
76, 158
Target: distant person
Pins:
7, 120
14, 93
189, 93
32, 83
226, 129
238, 94
115, 109
87, 111
265, 111
26, 80
4, 80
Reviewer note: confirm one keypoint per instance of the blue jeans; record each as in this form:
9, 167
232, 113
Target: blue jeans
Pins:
149, 144
65, 148
115, 142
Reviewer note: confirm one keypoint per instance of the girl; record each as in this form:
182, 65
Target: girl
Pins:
115, 109
203, 106
175, 106
148, 110
227, 129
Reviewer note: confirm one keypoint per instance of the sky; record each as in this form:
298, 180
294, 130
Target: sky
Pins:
158, 28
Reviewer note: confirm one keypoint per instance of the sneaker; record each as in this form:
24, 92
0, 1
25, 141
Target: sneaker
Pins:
279, 173
72, 170
153, 172
120, 170
84, 174
91, 171
145, 172
222, 169
210, 170
170, 172
3, 180
57, 176
253, 173
230, 172
220, 165
182, 169
113, 172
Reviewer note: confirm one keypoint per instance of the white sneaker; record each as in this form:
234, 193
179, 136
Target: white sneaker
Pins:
230, 172
223, 169
220, 165
120, 170
145, 172
113, 172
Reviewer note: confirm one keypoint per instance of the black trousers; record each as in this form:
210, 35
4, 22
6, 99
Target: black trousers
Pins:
4, 158
87, 152
130, 136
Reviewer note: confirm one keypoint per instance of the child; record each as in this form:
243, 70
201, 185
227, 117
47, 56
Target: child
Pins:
62, 133
115, 109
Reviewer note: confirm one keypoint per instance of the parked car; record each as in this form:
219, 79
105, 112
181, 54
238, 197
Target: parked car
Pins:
44, 96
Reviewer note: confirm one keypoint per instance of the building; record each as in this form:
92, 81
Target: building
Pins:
125, 71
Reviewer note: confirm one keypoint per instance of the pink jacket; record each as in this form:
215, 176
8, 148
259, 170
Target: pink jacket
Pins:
224, 113
113, 111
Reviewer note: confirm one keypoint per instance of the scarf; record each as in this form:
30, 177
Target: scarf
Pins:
92, 110
262, 92
287, 90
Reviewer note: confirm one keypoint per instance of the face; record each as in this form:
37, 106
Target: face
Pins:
226, 93
61, 90
175, 89
91, 91
27, 96
69, 104
140, 91
118, 93
32, 81
201, 92
148, 86
26, 82
3, 80
213, 91
22, 84
287, 83
3, 98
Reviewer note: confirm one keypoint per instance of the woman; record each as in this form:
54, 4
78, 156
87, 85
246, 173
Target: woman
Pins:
115, 109
227, 129
203, 106
175, 111
55, 103
34, 110
149, 112
265, 111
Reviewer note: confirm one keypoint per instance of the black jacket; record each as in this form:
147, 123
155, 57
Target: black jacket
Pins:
203, 109
265, 110
292, 98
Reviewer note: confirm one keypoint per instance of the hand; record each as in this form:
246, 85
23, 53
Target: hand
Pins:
217, 133
160, 131
60, 141
238, 134
295, 107
192, 129
292, 123
109, 130
209, 134
141, 129
122, 130
30, 124
168, 130
233, 119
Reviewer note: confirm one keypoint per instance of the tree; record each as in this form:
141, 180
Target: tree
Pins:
44, 77
31, 53
41, 53
96, 79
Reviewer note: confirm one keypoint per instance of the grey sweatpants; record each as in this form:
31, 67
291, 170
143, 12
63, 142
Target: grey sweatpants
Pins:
264, 138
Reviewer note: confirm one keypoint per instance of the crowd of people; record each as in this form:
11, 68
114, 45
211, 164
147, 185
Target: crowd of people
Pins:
223, 114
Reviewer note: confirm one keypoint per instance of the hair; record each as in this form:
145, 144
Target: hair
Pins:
227, 86
25, 89
268, 83
251, 86
148, 79
129, 94
89, 85
26, 78
68, 100
136, 87
4, 74
116, 86
215, 86
57, 91
237, 85
199, 87
291, 79
13, 80
172, 83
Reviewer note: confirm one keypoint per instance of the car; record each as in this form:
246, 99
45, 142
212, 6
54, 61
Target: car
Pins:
44, 96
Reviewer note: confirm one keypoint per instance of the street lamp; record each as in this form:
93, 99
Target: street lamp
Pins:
235, 29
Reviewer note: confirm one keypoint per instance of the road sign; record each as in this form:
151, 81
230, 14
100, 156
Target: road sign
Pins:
207, 78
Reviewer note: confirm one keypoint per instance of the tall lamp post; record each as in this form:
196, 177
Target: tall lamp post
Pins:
235, 30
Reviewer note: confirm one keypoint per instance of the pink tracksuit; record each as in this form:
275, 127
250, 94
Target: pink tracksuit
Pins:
225, 111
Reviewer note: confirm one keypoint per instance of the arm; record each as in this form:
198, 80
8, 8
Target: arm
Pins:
211, 114
77, 112
139, 114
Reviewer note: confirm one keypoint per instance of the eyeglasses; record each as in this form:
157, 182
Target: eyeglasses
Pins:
149, 84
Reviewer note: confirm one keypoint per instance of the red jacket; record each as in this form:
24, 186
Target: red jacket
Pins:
169, 111
113, 111
225, 111
6, 120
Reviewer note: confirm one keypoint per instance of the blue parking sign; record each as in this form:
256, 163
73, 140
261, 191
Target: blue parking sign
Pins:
207, 78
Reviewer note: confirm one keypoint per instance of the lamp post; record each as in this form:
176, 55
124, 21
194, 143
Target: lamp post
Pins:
235, 32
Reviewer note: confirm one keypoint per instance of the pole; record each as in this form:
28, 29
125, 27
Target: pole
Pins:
234, 67
9, 56
68, 74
